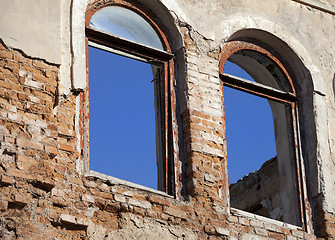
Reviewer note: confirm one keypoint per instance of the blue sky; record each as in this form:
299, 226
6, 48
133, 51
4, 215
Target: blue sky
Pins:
250, 131
122, 122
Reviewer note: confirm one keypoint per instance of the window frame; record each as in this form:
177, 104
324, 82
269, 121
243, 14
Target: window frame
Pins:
288, 98
128, 48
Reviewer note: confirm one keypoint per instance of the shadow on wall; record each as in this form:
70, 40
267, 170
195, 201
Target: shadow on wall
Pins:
304, 86
259, 192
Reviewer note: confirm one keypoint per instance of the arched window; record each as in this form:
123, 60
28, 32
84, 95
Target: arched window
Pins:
280, 192
130, 68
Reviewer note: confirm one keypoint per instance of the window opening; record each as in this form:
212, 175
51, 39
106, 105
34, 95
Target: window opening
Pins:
249, 129
136, 112
122, 118
274, 190
122, 22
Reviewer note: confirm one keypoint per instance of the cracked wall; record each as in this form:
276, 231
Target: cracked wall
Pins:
42, 78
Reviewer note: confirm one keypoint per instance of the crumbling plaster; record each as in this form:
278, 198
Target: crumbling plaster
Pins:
281, 18
59, 37
42, 32
32, 26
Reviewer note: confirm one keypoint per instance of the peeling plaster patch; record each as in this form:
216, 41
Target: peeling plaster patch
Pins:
66, 58
42, 19
78, 44
326, 164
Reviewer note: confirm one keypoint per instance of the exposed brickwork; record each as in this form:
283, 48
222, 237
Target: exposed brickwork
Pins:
262, 189
203, 127
43, 196
43, 192
325, 223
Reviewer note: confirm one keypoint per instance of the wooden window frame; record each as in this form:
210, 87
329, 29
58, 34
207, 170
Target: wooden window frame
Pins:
164, 59
289, 99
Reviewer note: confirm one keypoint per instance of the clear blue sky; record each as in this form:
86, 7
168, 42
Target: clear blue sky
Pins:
250, 131
122, 118
122, 122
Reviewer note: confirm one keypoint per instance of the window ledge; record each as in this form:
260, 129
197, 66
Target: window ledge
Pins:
117, 181
241, 213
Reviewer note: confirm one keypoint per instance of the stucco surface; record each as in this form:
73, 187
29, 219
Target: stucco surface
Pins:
214, 23
48, 117
305, 30
32, 26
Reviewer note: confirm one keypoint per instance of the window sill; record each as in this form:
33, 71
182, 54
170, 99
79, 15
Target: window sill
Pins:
241, 213
117, 181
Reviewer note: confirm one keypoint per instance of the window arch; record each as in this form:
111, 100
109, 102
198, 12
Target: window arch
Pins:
122, 28
274, 83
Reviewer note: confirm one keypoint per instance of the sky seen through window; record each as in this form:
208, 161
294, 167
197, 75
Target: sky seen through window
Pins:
122, 121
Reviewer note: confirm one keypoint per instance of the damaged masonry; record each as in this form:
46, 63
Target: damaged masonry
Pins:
48, 187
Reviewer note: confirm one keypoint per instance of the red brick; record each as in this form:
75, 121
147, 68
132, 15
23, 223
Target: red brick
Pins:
51, 89
244, 221
22, 199
277, 236
60, 201
21, 59
11, 86
66, 147
14, 66
23, 97
24, 143
73, 179
43, 79
308, 236
5, 54
65, 118
50, 149
18, 173
3, 203
31, 69
27, 159
5, 180
159, 201
198, 127
210, 229
174, 212
200, 114
40, 64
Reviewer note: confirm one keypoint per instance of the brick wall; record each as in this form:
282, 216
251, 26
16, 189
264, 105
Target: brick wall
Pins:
325, 222
259, 192
44, 197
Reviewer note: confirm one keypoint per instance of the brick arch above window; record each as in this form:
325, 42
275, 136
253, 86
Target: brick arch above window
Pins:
274, 83
233, 47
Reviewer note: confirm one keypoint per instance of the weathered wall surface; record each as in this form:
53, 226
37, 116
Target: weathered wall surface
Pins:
259, 192
43, 195
306, 31
32, 26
